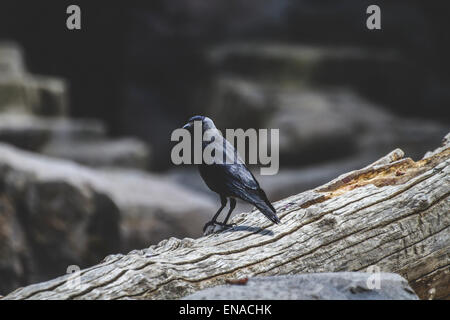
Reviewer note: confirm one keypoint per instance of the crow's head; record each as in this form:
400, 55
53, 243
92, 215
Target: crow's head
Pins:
206, 122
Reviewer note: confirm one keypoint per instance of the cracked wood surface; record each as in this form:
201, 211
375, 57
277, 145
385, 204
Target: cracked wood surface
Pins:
393, 214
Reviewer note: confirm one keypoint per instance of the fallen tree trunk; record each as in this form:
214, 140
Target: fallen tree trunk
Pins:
393, 214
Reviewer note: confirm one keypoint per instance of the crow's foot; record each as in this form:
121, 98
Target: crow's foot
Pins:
208, 225
212, 227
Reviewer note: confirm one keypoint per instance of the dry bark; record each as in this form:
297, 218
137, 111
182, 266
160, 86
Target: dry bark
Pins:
393, 214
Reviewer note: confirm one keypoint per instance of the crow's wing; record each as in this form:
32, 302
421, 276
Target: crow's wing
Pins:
238, 176
228, 179
237, 173
240, 182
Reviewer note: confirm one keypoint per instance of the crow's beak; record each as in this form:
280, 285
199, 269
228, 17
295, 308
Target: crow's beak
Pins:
187, 126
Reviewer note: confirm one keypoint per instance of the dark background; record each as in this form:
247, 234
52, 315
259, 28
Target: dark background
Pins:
140, 65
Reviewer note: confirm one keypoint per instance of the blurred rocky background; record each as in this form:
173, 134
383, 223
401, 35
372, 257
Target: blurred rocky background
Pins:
86, 115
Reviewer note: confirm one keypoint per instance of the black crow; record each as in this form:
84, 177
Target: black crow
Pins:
230, 179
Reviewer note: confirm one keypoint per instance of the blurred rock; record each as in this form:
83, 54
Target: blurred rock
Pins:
22, 132
314, 126
385, 75
123, 152
34, 132
64, 221
70, 214
11, 59
300, 65
154, 207
14, 253
80, 140
319, 99
237, 103
380, 75
313, 286
411, 27
32, 117
318, 125
23, 92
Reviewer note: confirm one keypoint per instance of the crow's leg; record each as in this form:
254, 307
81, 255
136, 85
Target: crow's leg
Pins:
232, 206
223, 201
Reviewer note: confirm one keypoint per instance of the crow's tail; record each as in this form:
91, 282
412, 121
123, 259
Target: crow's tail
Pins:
259, 199
268, 210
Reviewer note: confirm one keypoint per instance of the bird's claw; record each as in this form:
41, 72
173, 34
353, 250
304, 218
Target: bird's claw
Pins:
210, 227
210, 223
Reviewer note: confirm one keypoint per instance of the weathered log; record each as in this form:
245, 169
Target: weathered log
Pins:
393, 214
